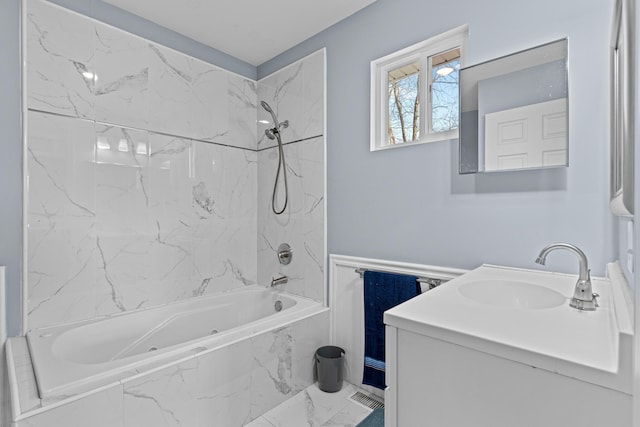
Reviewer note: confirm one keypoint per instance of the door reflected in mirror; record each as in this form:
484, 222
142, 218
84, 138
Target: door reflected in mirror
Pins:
514, 111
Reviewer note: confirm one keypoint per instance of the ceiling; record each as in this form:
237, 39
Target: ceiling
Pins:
251, 30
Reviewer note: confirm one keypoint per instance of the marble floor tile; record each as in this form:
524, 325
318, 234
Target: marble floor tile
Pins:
313, 407
349, 416
259, 422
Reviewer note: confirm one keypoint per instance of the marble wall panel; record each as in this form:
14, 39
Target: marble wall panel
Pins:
313, 94
165, 398
224, 386
101, 409
209, 110
183, 96
121, 219
131, 216
80, 67
242, 106
59, 57
296, 94
61, 219
284, 361
170, 91
122, 215
283, 92
224, 228
301, 225
229, 386
121, 88
230, 256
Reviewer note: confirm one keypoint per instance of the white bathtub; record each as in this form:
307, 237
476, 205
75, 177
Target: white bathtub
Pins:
82, 356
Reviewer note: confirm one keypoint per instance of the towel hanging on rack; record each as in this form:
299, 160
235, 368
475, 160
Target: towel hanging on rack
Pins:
382, 291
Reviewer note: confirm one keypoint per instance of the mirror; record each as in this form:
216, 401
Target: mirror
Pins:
514, 111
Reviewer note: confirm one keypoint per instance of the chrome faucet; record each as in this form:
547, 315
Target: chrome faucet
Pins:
583, 296
275, 281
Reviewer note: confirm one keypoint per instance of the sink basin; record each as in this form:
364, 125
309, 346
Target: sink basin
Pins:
511, 294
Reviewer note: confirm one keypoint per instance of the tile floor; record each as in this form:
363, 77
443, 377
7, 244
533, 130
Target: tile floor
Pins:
313, 407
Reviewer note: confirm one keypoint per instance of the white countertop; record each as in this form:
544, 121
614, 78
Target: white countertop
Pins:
593, 346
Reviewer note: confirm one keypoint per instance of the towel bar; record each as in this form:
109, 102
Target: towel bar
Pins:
428, 280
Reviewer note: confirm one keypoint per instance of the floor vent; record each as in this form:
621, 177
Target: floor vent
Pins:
367, 401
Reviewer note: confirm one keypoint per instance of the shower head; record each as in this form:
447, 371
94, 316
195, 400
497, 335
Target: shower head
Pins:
272, 132
267, 107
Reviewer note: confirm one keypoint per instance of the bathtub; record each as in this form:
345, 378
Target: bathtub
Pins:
83, 356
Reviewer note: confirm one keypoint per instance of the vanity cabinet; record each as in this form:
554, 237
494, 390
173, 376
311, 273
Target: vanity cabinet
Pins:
440, 375
436, 383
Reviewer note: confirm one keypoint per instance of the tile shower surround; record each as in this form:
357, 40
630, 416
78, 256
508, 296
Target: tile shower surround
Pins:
149, 181
296, 93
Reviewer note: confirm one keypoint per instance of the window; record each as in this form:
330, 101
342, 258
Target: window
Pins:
415, 92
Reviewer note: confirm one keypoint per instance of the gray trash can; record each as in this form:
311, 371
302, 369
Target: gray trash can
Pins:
330, 365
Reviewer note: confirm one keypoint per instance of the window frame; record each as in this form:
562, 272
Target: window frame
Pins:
421, 52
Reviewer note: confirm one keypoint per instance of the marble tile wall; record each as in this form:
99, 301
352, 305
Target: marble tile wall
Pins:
148, 182
229, 386
101, 409
296, 94
80, 67
121, 219
301, 225
121, 215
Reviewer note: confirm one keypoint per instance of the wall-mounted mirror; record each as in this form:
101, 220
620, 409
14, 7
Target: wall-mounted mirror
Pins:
514, 111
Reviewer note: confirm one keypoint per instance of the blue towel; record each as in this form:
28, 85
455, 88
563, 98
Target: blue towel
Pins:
381, 292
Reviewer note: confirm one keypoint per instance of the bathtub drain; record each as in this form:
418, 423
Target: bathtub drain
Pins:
213, 331
152, 349
278, 305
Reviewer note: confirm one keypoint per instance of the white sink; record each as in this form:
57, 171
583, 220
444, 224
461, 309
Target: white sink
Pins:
524, 316
511, 294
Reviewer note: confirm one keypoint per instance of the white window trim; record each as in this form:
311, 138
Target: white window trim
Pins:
380, 68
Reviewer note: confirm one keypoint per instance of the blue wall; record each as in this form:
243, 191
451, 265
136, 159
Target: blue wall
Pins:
11, 158
409, 203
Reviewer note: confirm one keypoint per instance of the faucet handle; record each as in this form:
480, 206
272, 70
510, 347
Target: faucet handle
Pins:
285, 254
585, 304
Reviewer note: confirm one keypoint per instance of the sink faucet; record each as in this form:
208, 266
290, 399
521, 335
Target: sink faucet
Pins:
583, 297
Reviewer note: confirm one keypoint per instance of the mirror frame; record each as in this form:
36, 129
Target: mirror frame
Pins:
622, 110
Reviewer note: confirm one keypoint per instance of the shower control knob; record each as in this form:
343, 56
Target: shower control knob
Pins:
285, 254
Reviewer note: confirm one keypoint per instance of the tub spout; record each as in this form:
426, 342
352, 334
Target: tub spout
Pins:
583, 296
279, 280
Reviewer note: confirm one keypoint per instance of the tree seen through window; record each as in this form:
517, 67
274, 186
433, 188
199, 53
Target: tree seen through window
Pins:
404, 104
404, 97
